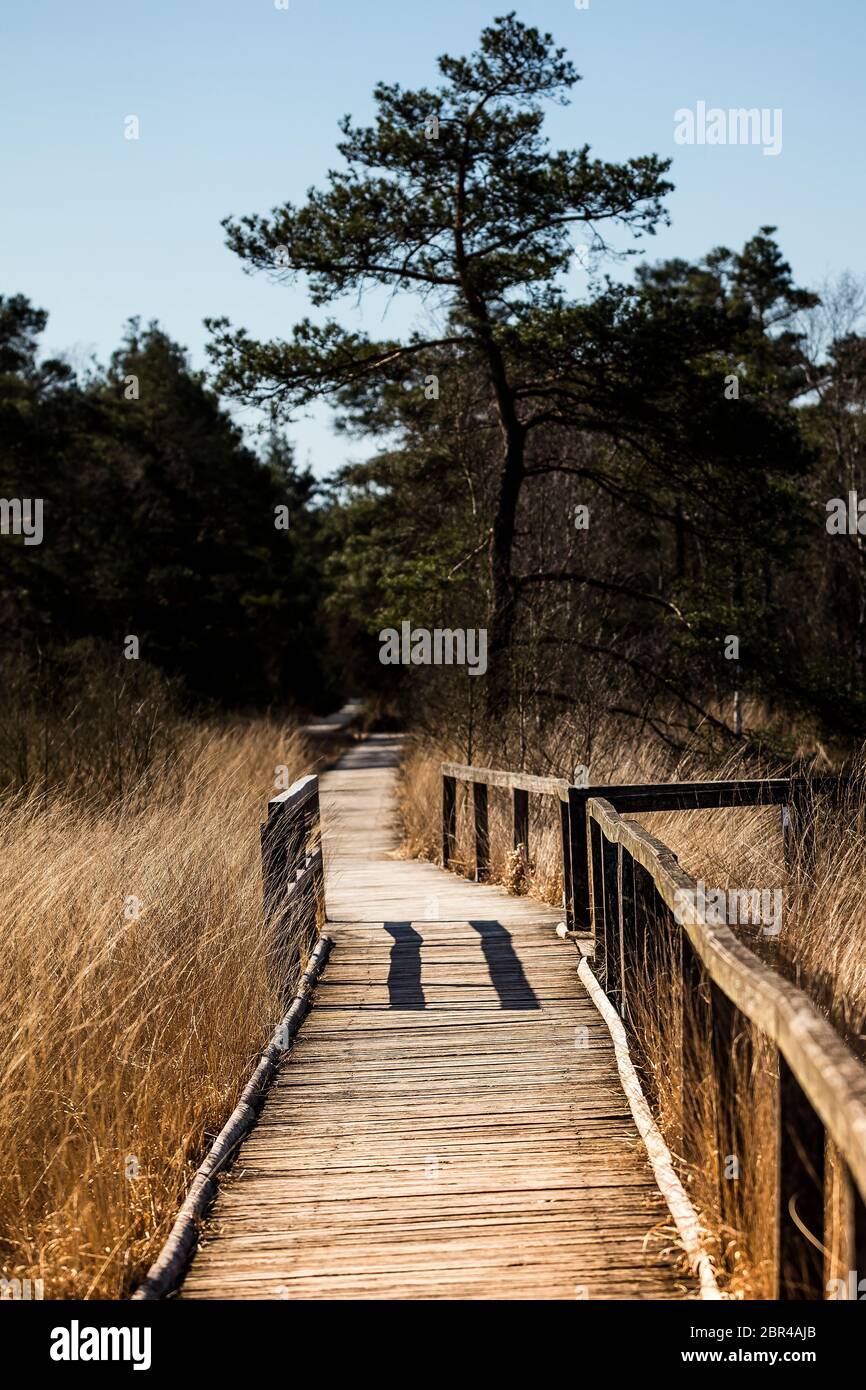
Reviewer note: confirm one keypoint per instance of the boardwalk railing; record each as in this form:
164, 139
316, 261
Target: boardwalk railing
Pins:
699, 976
520, 784
733, 1032
791, 794
292, 870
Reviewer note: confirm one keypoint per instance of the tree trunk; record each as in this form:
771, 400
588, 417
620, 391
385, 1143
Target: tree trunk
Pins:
503, 589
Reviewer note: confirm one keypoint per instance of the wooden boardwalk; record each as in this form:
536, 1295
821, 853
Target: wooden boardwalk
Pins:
450, 1123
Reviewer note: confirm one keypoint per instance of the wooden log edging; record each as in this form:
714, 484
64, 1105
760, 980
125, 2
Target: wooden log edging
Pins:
170, 1265
685, 1217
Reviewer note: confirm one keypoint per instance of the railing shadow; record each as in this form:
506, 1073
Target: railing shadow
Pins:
504, 965
507, 975
404, 970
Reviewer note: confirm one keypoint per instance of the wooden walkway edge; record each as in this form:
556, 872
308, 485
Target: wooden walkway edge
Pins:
450, 1123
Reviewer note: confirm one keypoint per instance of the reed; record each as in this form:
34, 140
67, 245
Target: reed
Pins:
137, 990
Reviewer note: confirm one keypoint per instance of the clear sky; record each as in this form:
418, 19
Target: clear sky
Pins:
238, 103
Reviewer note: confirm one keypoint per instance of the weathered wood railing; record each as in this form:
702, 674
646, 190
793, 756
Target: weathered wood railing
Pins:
661, 956
292, 870
716, 1005
520, 784
791, 794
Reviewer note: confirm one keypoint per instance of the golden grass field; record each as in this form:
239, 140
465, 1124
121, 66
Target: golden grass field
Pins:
136, 994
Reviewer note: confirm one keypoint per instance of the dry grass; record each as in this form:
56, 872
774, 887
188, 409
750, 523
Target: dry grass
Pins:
125, 1036
822, 944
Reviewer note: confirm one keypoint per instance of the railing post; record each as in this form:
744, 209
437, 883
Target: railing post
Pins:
567, 891
275, 860
594, 838
482, 832
610, 854
731, 1054
316, 842
695, 1023
629, 930
521, 822
299, 854
787, 836
579, 836
801, 809
850, 1265
449, 819
292, 874
800, 1193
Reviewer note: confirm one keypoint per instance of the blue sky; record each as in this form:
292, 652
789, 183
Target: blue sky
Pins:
238, 103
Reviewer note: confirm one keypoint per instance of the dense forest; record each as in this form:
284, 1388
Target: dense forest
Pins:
632, 491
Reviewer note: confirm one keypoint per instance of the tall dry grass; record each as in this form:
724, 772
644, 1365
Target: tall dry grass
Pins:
822, 943
137, 988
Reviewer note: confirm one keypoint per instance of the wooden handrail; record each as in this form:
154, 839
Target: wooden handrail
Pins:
790, 793
293, 869
520, 784
306, 789
510, 781
832, 1079
821, 1085
819, 1078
